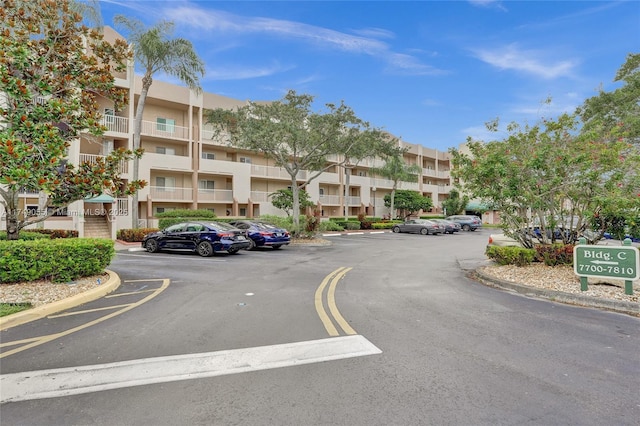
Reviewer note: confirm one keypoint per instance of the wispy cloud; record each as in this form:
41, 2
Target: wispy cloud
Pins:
495, 4
230, 72
365, 41
511, 57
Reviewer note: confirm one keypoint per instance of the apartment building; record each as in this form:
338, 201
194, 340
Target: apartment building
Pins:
186, 167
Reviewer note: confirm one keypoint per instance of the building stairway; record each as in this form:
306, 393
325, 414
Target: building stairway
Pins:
96, 227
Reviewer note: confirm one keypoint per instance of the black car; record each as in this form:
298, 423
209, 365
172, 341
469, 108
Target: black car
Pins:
205, 238
263, 234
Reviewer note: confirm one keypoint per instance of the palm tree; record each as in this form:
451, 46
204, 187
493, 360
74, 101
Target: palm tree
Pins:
155, 51
396, 170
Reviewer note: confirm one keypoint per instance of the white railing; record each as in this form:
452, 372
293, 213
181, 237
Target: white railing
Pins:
381, 183
353, 201
225, 195
113, 123
163, 130
209, 136
171, 193
275, 172
123, 166
329, 200
122, 207
260, 196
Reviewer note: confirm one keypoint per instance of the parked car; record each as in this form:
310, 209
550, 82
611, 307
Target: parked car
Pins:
467, 222
263, 234
205, 238
449, 226
419, 226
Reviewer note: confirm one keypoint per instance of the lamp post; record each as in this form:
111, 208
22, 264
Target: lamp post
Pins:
373, 189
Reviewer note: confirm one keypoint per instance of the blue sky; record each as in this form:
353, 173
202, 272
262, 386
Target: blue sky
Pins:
429, 72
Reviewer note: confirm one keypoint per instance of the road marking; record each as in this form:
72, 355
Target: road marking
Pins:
334, 277
94, 378
50, 337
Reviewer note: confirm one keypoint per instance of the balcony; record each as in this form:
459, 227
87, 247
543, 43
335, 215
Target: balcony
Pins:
116, 124
275, 172
166, 193
215, 195
260, 196
352, 201
164, 131
123, 167
151, 160
329, 200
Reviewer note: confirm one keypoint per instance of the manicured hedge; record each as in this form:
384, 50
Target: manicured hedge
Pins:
26, 236
59, 260
134, 235
36, 233
518, 256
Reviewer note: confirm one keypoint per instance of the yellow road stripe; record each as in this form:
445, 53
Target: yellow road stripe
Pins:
51, 337
326, 321
333, 308
106, 308
130, 293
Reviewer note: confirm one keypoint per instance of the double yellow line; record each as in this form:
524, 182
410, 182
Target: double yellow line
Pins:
332, 281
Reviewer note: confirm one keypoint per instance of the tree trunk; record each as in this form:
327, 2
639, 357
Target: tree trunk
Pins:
11, 210
295, 191
137, 129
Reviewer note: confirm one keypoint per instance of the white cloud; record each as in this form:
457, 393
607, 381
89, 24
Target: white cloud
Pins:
496, 4
511, 57
230, 72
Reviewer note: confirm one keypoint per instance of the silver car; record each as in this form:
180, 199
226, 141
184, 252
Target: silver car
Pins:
419, 226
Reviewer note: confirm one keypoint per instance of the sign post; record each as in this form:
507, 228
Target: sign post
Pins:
621, 262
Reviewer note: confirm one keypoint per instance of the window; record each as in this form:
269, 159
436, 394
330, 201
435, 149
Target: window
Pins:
206, 185
245, 160
165, 125
165, 183
165, 150
321, 191
208, 155
243, 211
362, 173
109, 116
162, 209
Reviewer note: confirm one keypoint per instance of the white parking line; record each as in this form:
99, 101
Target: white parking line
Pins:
93, 378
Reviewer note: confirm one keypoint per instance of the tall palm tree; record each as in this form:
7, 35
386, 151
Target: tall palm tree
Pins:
154, 51
396, 170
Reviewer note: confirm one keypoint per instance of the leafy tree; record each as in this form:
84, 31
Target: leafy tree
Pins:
408, 202
283, 200
298, 139
455, 204
396, 170
617, 112
549, 177
156, 52
53, 70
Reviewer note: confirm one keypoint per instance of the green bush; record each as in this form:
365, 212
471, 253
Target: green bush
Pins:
554, 254
518, 256
352, 225
26, 236
330, 225
188, 213
59, 260
382, 225
134, 235
57, 233
278, 221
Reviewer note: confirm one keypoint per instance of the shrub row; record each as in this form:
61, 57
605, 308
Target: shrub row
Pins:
34, 234
134, 235
549, 254
59, 260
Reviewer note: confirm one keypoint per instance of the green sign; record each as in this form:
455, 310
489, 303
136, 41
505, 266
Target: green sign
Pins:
606, 261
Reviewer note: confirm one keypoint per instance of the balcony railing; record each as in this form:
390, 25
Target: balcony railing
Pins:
330, 200
353, 201
260, 196
168, 193
116, 124
123, 166
219, 195
163, 130
275, 172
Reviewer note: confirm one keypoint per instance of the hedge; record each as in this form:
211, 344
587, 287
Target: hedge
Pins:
59, 260
518, 256
36, 233
134, 235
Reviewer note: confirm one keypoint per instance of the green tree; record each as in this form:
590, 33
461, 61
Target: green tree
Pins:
549, 176
455, 204
155, 51
53, 71
299, 140
408, 202
283, 199
397, 170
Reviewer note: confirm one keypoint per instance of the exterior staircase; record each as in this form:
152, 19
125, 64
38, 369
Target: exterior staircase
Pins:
96, 227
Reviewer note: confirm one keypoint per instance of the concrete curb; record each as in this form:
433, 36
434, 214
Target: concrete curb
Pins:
620, 306
42, 311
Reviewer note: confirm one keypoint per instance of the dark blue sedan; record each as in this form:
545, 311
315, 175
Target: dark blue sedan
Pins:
263, 234
205, 238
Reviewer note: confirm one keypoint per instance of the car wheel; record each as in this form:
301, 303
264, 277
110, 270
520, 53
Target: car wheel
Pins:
277, 246
396, 229
151, 246
233, 250
466, 227
424, 231
204, 249
252, 244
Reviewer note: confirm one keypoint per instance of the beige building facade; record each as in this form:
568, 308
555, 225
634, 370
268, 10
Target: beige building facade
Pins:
186, 167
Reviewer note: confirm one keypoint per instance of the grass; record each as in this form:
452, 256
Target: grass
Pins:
12, 308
